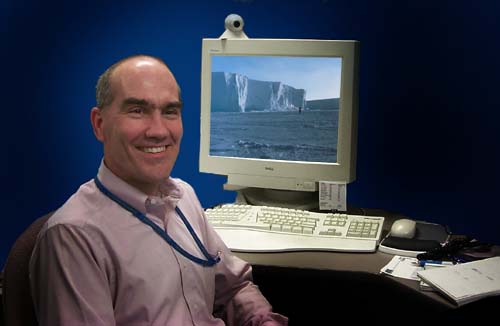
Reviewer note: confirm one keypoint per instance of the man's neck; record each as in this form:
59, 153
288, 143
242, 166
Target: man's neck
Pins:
147, 188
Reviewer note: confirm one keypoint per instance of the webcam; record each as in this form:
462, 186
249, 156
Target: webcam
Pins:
234, 23
234, 27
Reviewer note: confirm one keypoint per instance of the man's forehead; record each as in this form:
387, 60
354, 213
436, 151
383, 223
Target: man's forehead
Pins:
140, 64
144, 73
143, 62
139, 76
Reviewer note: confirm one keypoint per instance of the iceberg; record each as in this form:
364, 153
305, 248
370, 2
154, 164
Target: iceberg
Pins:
232, 92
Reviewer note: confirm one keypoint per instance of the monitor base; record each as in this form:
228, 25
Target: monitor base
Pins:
304, 200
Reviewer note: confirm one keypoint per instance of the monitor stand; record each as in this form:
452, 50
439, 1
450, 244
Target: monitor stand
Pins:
305, 200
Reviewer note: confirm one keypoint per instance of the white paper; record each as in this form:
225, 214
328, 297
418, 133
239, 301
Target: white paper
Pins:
467, 282
404, 267
332, 196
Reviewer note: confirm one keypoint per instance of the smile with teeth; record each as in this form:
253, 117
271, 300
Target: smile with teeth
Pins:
157, 149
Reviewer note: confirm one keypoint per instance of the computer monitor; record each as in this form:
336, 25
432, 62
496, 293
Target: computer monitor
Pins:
279, 115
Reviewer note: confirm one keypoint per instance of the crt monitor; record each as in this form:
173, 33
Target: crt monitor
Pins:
279, 115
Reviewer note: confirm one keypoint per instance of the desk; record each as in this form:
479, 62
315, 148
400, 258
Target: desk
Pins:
296, 282
369, 263
311, 287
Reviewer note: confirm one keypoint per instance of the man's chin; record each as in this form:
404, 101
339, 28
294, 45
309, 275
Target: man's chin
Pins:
155, 178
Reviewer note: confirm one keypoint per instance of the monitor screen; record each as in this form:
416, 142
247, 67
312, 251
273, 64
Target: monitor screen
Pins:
275, 107
279, 114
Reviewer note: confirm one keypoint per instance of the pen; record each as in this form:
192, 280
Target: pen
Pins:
439, 263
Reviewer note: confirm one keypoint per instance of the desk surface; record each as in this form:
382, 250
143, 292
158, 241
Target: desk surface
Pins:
370, 263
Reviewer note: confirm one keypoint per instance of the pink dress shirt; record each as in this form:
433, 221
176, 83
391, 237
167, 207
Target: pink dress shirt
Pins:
94, 263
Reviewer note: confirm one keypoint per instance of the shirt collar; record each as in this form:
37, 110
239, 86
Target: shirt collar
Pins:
169, 188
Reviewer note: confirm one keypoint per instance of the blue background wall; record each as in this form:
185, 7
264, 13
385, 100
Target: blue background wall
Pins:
428, 116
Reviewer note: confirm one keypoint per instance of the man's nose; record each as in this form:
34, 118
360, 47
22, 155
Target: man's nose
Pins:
157, 127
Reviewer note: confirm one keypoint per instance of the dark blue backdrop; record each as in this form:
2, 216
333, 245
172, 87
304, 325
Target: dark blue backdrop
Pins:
428, 139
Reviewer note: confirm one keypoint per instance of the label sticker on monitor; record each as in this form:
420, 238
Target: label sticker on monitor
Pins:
332, 196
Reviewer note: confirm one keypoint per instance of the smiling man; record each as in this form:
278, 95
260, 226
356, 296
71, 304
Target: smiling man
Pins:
132, 246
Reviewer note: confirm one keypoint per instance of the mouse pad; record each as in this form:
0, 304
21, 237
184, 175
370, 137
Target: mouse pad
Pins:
410, 244
427, 236
432, 231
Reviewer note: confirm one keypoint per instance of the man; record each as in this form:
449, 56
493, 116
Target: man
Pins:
132, 246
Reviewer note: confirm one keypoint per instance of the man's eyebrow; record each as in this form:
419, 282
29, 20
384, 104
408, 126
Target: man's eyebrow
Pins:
142, 102
174, 104
134, 101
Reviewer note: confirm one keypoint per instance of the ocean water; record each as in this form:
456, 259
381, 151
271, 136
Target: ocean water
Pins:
310, 136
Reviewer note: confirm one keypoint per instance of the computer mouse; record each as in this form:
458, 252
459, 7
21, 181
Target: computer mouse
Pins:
403, 228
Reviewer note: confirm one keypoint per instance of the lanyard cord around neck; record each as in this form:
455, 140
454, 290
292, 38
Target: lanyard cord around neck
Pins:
210, 260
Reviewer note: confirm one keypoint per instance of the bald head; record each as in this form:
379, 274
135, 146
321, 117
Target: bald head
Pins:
104, 87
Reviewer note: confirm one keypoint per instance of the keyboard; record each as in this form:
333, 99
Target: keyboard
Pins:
248, 228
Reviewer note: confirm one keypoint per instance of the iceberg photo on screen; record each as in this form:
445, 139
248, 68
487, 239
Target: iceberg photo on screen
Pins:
279, 108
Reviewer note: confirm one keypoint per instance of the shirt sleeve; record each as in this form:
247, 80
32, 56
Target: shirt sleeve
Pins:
67, 284
238, 299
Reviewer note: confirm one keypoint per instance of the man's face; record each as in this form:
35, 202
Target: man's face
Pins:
142, 128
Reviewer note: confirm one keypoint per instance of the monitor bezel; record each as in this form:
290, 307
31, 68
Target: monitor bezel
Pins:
275, 174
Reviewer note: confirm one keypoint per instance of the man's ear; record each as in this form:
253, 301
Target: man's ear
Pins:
96, 119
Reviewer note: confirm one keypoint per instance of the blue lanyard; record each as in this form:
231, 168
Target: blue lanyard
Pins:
210, 260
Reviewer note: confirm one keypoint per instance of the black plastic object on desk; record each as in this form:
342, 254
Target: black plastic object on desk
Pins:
428, 236
462, 249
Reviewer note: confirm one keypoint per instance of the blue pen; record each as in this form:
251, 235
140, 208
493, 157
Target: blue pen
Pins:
423, 263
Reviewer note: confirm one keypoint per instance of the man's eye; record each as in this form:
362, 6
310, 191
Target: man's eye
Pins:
171, 112
136, 110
